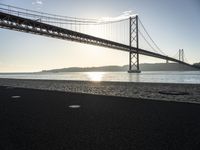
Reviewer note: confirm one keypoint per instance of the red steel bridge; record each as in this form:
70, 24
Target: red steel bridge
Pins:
123, 33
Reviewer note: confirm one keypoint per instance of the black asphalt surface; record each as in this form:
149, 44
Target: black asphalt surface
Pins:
40, 120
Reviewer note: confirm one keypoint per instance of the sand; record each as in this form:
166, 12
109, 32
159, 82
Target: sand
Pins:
189, 93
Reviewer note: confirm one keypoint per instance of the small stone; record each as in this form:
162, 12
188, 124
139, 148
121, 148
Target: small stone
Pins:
74, 106
15, 97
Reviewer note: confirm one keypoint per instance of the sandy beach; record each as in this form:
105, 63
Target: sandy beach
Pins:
189, 93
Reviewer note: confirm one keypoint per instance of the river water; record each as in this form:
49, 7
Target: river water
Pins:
146, 76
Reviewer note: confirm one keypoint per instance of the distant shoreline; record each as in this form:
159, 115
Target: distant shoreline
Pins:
143, 67
12, 73
125, 68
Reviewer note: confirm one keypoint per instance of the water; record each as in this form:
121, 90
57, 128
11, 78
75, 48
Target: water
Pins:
146, 76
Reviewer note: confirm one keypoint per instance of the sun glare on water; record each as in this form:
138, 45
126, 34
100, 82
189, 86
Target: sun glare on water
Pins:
95, 76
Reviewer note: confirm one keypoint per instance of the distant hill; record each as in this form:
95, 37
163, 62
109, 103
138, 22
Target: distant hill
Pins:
89, 69
143, 67
197, 65
166, 67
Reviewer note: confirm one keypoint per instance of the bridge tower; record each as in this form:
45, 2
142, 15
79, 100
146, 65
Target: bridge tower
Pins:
134, 41
181, 55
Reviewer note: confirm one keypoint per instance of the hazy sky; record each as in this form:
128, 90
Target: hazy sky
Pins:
173, 24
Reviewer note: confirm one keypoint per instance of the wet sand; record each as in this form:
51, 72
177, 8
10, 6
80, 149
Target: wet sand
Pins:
38, 119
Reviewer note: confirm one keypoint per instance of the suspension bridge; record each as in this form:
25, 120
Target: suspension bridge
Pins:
126, 34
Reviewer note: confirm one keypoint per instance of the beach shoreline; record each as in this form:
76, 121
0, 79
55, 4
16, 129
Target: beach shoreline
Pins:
189, 93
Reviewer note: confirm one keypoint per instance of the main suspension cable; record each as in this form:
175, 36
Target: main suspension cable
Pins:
150, 37
147, 41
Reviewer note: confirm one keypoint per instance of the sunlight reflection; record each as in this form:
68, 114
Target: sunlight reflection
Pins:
95, 76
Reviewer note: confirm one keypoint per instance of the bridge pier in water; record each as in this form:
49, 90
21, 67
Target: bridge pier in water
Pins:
134, 41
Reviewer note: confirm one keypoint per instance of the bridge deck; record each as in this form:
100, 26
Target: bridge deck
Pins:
18, 23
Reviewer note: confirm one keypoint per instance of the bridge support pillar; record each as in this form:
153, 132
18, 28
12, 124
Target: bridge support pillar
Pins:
134, 63
181, 55
134, 42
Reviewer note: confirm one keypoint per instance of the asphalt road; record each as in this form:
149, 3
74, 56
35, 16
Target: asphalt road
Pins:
36, 119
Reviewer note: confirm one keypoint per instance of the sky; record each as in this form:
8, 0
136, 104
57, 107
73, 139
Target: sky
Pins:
173, 25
